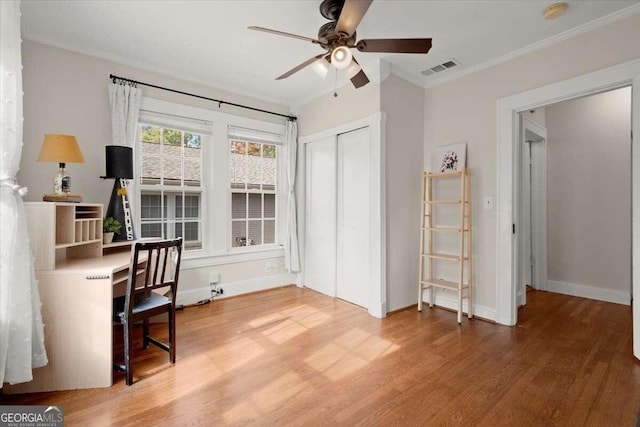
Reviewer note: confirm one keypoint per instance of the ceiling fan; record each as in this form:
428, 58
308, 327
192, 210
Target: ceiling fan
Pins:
338, 37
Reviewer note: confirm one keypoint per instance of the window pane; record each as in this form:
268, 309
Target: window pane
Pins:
269, 205
191, 231
171, 150
172, 169
151, 169
172, 137
254, 171
238, 147
150, 206
238, 233
192, 206
269, 231
151, 134
255, 205
238, 205
255, 232
192, 140
254, 149
269, 173
269, 151
171, 157
192, 174
237, 169
151, 230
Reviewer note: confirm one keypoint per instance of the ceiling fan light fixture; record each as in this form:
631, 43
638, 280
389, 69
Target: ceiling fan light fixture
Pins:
321, 67
341, 57
353, 69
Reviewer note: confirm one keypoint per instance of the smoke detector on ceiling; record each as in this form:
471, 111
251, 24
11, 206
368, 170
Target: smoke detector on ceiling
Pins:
447, 65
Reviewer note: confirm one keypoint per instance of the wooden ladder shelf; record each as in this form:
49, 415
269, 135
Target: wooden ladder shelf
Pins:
429, 256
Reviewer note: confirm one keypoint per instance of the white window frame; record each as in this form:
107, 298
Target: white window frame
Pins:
216, 195
172, 191
277, 192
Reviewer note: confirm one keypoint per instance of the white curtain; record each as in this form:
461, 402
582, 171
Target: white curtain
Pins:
21, 329
125, 110
291, 251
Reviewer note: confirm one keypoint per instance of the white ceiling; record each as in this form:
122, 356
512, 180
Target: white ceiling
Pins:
207, 41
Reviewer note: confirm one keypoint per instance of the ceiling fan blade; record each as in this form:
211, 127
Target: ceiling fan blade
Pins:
282, 33
351, 15
394, 45
301, 66
359, 79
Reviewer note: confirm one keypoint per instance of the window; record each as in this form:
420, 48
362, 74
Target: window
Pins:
253, 184
171, 184
210, 178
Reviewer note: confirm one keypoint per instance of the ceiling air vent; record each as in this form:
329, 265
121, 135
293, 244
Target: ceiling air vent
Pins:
452, 63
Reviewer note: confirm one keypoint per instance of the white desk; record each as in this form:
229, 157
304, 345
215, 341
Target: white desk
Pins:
76, 310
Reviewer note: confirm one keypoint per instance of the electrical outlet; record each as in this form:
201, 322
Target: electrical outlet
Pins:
214, 277
216, 290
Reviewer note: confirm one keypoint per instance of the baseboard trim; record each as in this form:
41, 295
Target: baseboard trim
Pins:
379, 310
450, 302
231, 289
591, 292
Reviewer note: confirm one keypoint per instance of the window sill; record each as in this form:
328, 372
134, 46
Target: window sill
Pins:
200, 261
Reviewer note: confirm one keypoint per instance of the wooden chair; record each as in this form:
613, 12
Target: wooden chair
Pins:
140, 303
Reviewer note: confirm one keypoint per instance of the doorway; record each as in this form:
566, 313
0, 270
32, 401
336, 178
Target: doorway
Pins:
342, 232
588, 144
508, 134
532, 236
337, 220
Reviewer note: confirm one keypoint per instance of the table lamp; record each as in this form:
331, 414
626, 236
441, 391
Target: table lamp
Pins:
61, 149
119, 165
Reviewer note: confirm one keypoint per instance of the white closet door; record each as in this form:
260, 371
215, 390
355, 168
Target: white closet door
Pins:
320, 256
353, 222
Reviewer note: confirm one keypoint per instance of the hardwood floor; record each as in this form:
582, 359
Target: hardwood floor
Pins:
295, 357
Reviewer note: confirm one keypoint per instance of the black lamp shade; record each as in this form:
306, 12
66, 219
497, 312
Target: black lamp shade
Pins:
119, 161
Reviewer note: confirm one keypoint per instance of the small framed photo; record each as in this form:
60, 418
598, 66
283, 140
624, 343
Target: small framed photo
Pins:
450, 158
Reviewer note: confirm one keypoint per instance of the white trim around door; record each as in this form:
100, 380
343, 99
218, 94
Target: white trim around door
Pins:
377, 271
626, 74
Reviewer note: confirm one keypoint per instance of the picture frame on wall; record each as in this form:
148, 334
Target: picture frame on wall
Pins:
450, 158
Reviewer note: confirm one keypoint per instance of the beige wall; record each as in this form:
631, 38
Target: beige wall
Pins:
67, 92
589, 190
466, 110
403, 104
327, 111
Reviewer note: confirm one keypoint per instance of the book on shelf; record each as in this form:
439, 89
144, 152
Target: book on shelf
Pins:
69, 198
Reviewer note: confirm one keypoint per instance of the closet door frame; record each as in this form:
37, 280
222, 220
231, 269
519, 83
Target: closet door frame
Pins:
377, 272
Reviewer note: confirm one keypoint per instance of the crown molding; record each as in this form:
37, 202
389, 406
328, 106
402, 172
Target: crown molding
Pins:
410, 77
581, 29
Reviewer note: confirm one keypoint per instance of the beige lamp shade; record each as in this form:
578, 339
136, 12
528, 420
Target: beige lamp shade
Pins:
60, 149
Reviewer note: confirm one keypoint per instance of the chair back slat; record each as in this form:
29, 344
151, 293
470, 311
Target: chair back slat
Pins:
164, 263
159, 255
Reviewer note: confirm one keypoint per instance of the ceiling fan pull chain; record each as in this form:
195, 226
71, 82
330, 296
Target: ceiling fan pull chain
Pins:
335, 84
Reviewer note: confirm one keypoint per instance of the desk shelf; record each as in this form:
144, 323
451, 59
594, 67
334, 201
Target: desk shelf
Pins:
64, 230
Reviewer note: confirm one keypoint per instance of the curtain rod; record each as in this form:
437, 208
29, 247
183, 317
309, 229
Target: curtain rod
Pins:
220, 102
